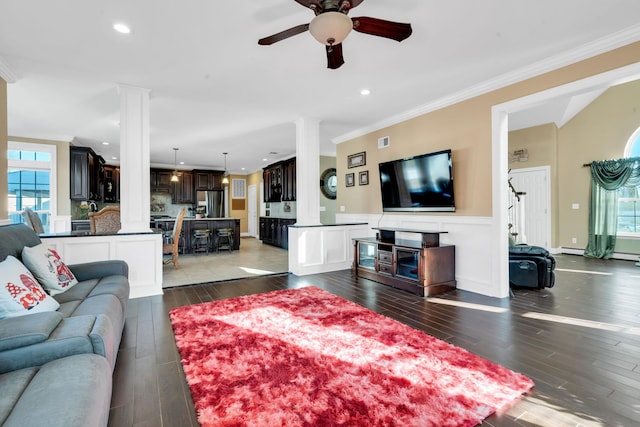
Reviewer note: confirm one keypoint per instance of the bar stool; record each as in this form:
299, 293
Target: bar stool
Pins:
200, 240
224, 239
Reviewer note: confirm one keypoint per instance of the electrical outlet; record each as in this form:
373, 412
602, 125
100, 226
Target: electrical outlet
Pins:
575, 206
574, 240
342, 208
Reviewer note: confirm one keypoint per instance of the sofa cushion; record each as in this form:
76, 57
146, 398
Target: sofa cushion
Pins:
71, 392
47, 266
22, 331
20, 293
71, 336
117, 286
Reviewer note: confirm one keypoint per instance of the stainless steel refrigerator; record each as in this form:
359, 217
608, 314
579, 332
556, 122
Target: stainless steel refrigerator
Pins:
213, 202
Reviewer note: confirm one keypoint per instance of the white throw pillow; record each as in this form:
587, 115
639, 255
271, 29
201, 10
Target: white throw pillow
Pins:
20, 293
47, 266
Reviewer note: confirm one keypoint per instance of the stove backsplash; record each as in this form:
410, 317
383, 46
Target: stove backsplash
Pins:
161, 205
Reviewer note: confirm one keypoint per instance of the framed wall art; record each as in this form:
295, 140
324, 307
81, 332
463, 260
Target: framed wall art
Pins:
350, 180
364, 178
358, 159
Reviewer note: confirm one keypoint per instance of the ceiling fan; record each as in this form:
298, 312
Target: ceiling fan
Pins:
331, 26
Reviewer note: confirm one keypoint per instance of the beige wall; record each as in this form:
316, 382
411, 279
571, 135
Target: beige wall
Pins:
4, 184
599, 132
466, 129
242, 214
63, 179
541, 143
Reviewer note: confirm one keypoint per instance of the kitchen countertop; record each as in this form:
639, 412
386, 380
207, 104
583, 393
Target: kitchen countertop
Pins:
193, 218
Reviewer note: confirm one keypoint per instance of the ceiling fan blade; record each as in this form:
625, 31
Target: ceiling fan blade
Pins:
381, 28
283, 35
334, 56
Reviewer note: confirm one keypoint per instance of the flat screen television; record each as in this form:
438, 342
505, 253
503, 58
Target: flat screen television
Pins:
421, 183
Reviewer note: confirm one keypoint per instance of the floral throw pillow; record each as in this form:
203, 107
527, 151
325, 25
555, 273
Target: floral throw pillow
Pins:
47, 266
20, 292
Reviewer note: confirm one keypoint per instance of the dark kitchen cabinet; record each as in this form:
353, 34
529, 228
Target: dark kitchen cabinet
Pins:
111, 184
208, 180
289, 180
161, 180
279, 181
183, 190
275, 231
272, 179
86, 169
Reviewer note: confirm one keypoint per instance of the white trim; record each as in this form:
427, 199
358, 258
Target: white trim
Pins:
597, 47
630, 141
51, 167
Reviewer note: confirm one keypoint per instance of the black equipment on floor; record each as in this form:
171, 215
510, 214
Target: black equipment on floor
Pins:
531, 267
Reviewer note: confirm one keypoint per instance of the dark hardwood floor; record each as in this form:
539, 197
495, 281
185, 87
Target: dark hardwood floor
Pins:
578, 341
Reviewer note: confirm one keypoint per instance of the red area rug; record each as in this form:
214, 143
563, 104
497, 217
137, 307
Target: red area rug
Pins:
306, 357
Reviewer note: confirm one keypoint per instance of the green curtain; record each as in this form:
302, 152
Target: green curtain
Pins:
606, 178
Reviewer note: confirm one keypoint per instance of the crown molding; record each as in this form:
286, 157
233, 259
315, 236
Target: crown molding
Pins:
599, 46
5, 72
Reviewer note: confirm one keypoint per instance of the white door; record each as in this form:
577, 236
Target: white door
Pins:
252, 211
535, 182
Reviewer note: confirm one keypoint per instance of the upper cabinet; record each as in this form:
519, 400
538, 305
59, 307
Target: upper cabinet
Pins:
183, 190
160, 181
86, 174
289, 180
279, 181
208, 180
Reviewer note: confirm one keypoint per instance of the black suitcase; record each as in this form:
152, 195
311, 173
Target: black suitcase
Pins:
520, 274
523, 274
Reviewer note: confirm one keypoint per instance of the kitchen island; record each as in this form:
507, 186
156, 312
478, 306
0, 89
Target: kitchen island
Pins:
191, 224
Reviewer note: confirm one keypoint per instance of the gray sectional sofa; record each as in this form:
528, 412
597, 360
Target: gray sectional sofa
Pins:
56, 367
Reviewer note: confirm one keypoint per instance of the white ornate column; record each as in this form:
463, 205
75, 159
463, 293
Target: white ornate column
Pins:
308, 171
134, 159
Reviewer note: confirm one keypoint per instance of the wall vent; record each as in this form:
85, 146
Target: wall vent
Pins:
384, 142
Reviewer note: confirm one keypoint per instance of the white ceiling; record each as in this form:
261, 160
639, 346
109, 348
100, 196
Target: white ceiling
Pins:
215, 90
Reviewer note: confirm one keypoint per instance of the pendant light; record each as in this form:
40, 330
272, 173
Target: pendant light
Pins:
225, 178
174, 177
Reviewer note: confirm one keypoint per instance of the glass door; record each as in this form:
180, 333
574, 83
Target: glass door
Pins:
367, 255
408, 263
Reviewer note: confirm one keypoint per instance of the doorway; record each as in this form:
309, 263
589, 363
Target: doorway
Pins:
535, 183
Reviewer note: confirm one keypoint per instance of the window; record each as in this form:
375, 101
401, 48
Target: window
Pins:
30, 171
629, 197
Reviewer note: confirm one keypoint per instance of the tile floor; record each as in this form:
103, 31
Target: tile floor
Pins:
253, 259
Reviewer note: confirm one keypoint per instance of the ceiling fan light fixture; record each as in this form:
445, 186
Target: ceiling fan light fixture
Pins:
330, 28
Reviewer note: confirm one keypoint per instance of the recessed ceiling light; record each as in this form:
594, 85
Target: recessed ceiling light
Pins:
264, 160
365, 92
105, 143
182, 163
121, 28
114, 158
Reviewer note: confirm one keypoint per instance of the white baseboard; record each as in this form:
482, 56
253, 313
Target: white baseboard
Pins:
616, 255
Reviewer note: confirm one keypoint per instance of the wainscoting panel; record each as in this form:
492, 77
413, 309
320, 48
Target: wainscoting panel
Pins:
142, 252
320, 249
472, 237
